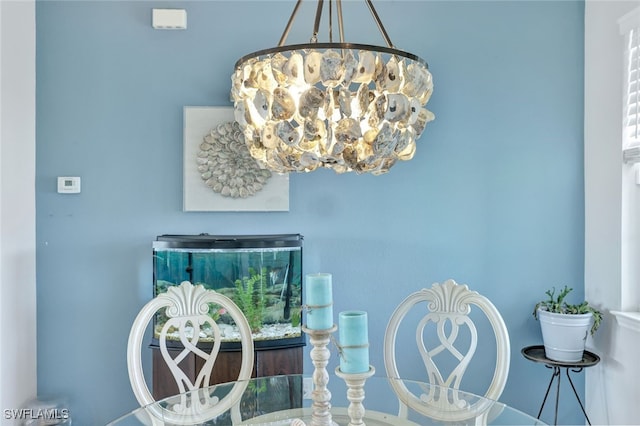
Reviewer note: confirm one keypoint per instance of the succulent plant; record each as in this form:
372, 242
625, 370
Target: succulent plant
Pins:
557, 305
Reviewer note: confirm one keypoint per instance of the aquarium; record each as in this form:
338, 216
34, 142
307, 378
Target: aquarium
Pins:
262, 274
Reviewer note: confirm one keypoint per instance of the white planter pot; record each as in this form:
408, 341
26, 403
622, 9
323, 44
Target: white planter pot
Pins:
564, 335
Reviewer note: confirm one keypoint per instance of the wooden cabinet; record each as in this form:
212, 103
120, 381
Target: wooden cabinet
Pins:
267, 362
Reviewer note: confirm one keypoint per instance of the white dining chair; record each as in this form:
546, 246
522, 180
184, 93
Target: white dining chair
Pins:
186, 308
447, 309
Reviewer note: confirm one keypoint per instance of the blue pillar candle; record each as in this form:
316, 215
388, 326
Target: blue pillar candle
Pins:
354, 341
319, 301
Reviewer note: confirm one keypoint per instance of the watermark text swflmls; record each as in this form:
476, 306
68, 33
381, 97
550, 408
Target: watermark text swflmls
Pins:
36, 414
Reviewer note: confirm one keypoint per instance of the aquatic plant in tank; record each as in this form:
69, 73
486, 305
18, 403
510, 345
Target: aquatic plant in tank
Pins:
262, 274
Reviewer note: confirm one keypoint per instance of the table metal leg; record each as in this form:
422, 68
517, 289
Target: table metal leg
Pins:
556, 373
576, 394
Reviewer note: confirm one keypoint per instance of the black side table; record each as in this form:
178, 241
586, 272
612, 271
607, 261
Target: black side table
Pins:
536, 354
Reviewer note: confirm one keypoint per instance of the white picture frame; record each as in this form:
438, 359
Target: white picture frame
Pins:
197, 196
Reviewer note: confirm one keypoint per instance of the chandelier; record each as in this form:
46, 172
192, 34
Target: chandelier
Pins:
344, 106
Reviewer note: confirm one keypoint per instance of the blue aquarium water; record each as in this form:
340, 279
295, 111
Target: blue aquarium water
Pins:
262, 274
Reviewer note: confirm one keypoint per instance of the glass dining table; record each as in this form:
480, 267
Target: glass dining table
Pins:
288, 400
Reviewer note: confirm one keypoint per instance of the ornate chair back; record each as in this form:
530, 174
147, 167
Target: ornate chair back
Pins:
187, 308
448, 306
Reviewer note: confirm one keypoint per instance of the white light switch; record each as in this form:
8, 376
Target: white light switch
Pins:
169, 19
68, 185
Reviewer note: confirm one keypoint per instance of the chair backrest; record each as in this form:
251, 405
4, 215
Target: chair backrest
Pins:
187, 308
448, 306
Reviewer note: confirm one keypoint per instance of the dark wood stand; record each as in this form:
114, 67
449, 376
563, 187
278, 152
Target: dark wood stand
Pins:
268, 362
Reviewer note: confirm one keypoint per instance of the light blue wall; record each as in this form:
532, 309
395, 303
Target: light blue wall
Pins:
493, 197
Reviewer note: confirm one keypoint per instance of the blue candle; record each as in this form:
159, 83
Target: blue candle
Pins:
319, 301
354, 341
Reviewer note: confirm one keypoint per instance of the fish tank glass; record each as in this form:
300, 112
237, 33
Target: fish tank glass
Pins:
262, 274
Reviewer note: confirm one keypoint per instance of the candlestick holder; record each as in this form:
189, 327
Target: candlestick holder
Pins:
321, 397
355, 393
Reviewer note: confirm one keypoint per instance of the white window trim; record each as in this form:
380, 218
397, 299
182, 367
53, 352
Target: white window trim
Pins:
631, 157
629, 320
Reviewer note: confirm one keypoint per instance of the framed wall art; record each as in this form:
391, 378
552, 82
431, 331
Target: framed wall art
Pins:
219, 174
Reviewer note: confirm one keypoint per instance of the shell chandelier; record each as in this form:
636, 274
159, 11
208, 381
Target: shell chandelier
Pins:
344, 106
